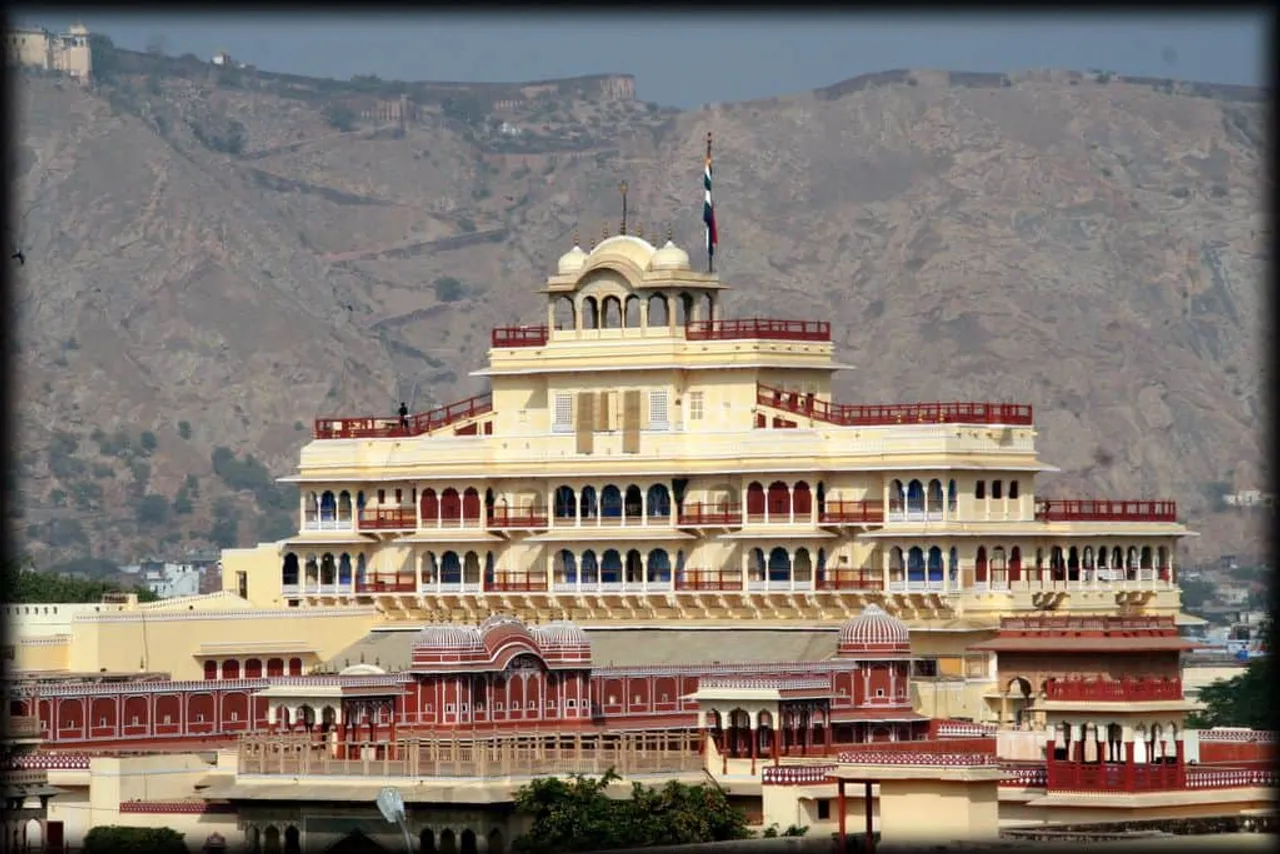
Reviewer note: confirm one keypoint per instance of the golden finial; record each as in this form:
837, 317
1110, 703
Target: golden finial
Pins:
604, 232
639, 229
671, 234
575, 237
592, 244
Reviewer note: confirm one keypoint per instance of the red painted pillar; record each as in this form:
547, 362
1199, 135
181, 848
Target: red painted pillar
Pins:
1180, 764
1129, 767
777, 757
391, 749
755, 748
840, 809
871, 839
1049, 747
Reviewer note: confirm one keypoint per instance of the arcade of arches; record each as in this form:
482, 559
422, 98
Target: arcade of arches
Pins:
446, 837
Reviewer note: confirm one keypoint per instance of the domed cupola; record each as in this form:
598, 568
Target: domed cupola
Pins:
448, 638
670, 257
563, 639
572, 261
874, 633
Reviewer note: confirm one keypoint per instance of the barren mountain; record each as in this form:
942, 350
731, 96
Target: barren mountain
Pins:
215, 258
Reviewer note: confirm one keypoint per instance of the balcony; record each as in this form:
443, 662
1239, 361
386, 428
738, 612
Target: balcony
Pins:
390, 428
709, 580
852, 415
388, 519
759, 328
1059, 510
696, 514
842, 512
849, 579
519, 336
1107, 690
386, 584
504, 518
518, 582
23, 727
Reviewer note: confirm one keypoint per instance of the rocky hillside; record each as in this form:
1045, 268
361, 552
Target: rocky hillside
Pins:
215, 258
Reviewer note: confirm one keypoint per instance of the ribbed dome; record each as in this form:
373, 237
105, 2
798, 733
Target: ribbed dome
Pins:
874, 631
561, 634
670, 257
449, 638
572, 261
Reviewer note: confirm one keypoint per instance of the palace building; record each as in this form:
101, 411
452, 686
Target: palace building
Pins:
655, 544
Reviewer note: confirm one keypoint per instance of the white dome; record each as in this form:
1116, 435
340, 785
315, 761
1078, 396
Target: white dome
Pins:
572, 261
561, 634
449, 638
670, 257
874, 629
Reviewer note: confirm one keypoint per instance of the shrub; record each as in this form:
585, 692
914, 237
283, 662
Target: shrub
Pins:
449, 289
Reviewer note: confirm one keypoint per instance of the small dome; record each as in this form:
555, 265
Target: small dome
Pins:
874, 631
561, 634
572, 261
670, 257
449, 638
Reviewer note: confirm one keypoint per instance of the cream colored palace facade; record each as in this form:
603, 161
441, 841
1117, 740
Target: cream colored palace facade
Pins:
642, 460
627, 467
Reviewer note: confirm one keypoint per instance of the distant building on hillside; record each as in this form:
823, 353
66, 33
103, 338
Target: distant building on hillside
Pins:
69, 52
1250, 498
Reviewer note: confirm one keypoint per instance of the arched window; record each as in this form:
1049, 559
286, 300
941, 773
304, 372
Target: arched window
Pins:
611, 567
779, 565
915, 564
565, 502
915, 497
935, 564
590, 567
659, 501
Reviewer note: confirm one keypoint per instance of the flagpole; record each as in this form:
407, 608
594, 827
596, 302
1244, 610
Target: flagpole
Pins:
708, 211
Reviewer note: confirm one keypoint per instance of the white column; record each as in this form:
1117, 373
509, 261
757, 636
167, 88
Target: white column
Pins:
791, 504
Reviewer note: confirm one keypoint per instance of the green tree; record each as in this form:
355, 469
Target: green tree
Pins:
117, 839
152, 510
1196, 593
340, 116
1246, 700
225, 532
449, 289
579, 815
23, 585
184, 429
148, 441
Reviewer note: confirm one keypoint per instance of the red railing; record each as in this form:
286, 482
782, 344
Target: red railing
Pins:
517, 582
443, 416
519, 336
1059, 510
1138, 690
389, 519
386, 428
709, 579
758, 327
386, 584
855, 415
841, 512
849, 579
695, 513
978, 745
503, 517
1112, 776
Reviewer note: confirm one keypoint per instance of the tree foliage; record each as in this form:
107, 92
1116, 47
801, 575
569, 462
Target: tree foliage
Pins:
23, 585
117, 839
578, 815
1246, 700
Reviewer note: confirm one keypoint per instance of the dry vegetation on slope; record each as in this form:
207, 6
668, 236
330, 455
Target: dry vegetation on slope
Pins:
213, 262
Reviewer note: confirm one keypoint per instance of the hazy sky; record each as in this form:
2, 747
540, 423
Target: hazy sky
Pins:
687, 59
